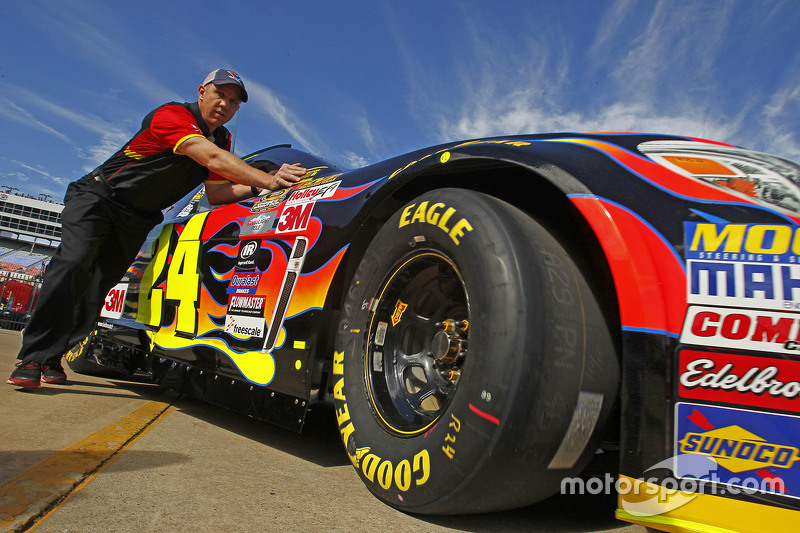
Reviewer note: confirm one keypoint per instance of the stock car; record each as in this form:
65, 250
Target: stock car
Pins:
488, 316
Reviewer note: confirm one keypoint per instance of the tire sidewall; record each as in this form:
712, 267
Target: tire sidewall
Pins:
427, 472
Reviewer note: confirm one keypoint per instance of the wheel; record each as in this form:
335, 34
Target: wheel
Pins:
473, 369
80, 359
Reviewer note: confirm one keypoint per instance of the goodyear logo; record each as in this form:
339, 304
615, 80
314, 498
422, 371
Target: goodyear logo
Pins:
742, 242
739, 450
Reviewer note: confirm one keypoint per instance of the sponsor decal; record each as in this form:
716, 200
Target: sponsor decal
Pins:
310, 194
244, 283
246, 305
403, 474
745, 265
306, 182
269, 201
258, 223
439, 215
115, 301
740, 379
747, 329
295, 217
746, 446
399, 309
245, 326
248, 253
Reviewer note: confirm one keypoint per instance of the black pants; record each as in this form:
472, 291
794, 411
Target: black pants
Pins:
99, 240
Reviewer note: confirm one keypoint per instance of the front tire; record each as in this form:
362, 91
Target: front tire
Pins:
473, 368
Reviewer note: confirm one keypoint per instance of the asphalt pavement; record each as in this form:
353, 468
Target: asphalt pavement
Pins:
105, 454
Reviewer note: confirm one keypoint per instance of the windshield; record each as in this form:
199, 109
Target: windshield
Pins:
273, 157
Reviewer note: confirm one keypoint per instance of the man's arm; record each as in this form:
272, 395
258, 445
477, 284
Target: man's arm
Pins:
234, 169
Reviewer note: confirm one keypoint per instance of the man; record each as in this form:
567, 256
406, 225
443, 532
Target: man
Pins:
109, 212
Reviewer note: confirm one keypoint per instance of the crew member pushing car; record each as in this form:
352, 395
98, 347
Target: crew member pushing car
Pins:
109, 212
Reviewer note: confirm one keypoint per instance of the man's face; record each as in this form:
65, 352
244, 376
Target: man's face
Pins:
218, 103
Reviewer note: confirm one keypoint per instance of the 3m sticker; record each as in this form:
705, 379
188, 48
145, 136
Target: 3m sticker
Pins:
115, 301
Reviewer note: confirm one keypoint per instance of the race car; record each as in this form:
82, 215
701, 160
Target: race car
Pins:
487, 316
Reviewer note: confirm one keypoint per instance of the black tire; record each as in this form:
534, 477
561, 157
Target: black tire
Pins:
81, 361
496, 379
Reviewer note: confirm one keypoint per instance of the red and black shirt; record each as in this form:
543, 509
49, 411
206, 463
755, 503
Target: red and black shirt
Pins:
147, 174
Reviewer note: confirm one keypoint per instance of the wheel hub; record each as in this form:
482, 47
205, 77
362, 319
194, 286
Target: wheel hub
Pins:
417, 342
448, 344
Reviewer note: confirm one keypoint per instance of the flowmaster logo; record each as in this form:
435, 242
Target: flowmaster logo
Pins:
690, 475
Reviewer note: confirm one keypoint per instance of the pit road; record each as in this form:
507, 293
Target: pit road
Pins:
106, 454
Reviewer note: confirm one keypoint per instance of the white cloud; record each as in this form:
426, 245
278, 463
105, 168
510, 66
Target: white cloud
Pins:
20, 115
268, 102
353, 160
112, 136
103, 50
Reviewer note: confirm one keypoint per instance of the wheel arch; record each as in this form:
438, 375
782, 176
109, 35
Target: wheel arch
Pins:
551, 206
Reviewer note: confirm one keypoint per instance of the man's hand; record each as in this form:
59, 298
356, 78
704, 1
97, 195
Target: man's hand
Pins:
242, 175
287, 175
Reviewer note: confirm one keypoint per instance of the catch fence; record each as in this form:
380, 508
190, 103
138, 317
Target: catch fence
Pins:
18, 295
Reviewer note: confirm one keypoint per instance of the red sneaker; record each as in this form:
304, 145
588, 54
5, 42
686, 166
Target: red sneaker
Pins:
54, 374
28, 375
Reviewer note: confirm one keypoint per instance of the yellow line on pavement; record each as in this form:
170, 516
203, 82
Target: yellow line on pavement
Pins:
28, 496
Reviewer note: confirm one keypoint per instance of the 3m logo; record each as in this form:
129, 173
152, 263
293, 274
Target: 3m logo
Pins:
115, 301
295, 217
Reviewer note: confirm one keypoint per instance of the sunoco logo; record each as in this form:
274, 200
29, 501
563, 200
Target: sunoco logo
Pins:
739, 450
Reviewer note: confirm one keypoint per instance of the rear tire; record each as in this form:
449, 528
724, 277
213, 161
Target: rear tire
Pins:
81, 361
473, 368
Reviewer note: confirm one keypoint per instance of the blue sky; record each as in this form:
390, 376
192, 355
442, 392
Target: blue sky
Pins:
359, 81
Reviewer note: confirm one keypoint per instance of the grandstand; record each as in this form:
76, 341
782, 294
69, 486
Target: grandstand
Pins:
22, 260
30, 231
